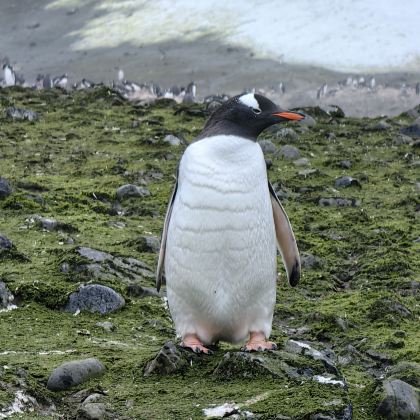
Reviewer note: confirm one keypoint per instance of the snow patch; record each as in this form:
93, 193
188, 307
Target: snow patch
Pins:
22, 401
326, 380
9, 307
348, 35
220, 411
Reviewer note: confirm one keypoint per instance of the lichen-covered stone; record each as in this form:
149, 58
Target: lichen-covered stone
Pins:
5, 188
94, 298
170, 359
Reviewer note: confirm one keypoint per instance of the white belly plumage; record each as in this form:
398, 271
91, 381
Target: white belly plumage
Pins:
220, 259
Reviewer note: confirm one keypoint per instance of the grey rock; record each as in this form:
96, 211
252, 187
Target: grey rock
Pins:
5, 243
21, 114
53, 225
406, 371
130, 190
267, 146
308, 121
5, 188
308, 172
105, 266
106, 326
172, 140
94, 298
326, 356
135, 290
399, 400
170, 359
93, 254
92, 411
289, 152
345, 164
287, 134
412, 130
401, 139
381, 357
340, 202
302, 162
74, 373
47, 224
347, 181
93, 398
148, 244
6, 297
309, 261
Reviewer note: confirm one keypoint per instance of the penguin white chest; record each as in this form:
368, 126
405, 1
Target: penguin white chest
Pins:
221, 246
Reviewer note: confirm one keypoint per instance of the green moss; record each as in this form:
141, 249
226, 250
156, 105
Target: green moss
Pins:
68, 165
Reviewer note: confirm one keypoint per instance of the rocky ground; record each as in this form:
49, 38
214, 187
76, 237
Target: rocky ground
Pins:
84, 182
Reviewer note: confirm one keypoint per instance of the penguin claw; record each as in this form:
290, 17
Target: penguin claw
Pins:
259, 346
192, 343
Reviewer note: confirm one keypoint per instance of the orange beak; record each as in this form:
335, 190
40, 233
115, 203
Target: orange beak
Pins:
287, 115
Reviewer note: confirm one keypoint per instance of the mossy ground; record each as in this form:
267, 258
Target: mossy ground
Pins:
68, 165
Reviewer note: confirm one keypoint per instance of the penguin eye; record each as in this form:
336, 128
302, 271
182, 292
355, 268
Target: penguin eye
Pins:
256, 110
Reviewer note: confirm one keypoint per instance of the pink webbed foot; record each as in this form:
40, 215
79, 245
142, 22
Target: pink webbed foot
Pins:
257, 342
192, 342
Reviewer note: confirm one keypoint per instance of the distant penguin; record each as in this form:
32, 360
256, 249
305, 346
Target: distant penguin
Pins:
9, 75
190, 93
418, 88
38, 85
222, 225
282, 88
322, 91
60, 81
47, 82
83, 84
120, 75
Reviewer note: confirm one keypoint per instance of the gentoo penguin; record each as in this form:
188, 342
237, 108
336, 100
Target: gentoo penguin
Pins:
223, 221
60, 81
9, 75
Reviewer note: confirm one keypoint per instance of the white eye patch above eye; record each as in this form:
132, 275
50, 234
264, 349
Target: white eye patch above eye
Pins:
249, 100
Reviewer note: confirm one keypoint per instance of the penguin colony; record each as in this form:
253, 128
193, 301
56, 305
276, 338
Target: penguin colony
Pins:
128, 89
222, 226
151, 91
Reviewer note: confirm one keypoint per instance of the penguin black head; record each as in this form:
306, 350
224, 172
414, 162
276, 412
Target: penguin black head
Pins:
246, 115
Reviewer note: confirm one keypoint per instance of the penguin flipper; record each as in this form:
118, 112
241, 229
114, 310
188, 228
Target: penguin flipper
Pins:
286, 241
161, 261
